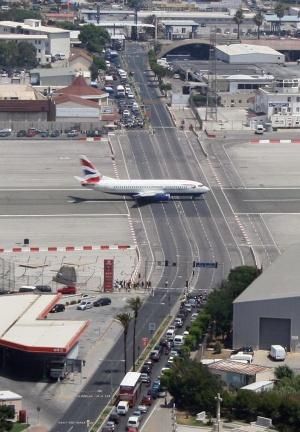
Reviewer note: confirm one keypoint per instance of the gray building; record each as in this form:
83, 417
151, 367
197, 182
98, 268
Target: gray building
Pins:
267, 312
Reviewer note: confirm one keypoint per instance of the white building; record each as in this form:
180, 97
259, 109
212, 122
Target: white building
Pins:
247, 83
281, 103
57, 40
248, 54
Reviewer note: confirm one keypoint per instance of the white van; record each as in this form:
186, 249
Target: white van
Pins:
242, 357
170, 333
133, 422
178, 340
120, 90
122, 408
277, 352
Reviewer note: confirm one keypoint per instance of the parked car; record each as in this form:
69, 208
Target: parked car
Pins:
54, 134
244, 349
72, 134
85, 304
21, 133
59, 307
44, 134
4, 133
43, 288
67, 290
104, 301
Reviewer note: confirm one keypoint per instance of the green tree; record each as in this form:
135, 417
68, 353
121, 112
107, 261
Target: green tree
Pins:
67, 25
98, 63
18, 14
279, 11
258, 19
192, 386
93, 38
238, 19
14, 54
284, 372
246, 405
135, 305
6, 413
124, 319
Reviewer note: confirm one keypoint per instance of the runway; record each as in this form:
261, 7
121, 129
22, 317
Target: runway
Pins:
264, 200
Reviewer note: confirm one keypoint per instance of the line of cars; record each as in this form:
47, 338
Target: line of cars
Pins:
34, 132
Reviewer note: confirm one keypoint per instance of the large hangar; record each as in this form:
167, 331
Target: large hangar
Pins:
248, 54
267, 312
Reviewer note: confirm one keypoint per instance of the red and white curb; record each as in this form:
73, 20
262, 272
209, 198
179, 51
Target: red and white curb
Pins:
67, 248
92, 139
214, 173
275, 141
241, 226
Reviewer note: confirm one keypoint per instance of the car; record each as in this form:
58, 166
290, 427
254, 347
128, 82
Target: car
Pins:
85, 304
104, 301
171, 360
43, 288
176, 76
146, 369
130, 96
186, 333
188, 307
21, 133
194, 317
137, 413
178, 322
67, 290
143, 409
59, 307
54, 134
110, 424
114, 418
174, 353
147, 400
72, 134
245, 350
44, 134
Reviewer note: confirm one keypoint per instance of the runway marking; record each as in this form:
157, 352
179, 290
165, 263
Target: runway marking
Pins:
269, 213
94, 201
273, 200
65, 215
262, 188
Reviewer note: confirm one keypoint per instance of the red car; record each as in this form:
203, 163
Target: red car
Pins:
67, 290
147, 400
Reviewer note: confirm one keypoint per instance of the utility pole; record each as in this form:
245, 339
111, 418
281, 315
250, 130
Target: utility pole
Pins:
218, 424
211, 95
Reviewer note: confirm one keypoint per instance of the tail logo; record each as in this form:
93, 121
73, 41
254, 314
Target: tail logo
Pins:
91, 175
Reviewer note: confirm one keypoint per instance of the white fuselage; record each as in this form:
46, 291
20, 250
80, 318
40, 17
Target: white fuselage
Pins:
135, 187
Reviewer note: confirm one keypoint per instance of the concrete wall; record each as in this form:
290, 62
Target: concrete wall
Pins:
246, 316
59, 43
236, 99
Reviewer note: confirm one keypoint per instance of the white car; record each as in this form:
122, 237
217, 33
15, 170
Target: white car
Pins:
186, 333
174, 353
130, 95
126, 113
85, 305
142, 408
194, 317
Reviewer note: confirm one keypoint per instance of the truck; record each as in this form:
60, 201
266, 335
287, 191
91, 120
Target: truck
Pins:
277, 352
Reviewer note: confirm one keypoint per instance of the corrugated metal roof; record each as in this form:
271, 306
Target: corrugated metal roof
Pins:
244, 49
23, 325
237, 367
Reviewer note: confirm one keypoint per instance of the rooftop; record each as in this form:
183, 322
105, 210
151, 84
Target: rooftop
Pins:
239, 49
20, 92
23, 325
283, 272
7, 395
237, 367
80, 88
180, 23
63, 98
16, 36
40, 28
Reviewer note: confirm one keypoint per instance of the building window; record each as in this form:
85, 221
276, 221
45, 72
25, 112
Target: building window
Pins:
183, 30
240, 101
298, 99
289, 99
297, 109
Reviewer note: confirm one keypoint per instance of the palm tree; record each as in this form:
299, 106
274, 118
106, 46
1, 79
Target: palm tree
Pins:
258, 20
135, 304
279, 11
238, 19
124, 319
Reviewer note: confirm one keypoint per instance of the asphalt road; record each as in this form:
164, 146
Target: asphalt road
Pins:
185, 230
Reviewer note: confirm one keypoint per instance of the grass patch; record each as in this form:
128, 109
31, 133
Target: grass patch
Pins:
18, 427
186, 419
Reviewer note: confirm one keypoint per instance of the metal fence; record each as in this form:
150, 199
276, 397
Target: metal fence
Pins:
7, 275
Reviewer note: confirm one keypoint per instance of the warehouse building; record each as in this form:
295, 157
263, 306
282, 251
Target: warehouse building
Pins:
248, 54
267, 312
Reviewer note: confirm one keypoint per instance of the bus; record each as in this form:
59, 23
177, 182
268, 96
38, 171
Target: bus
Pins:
130, 387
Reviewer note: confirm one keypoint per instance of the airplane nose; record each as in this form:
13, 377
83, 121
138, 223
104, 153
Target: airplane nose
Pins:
206, 189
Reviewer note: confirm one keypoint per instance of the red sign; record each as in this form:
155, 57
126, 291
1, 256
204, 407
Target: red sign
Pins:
108, 275
145, 341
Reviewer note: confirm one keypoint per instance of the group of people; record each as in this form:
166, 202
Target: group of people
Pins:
128, 285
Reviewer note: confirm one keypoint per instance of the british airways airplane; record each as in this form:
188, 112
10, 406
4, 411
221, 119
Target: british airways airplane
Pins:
154, 190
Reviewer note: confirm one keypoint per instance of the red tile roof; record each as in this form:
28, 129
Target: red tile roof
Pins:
25, 105
76, 99
79, 87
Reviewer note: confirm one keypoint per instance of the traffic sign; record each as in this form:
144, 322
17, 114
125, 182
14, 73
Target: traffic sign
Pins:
152, 327
200, 264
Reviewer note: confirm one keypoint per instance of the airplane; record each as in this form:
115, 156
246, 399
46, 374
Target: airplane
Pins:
153, 190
